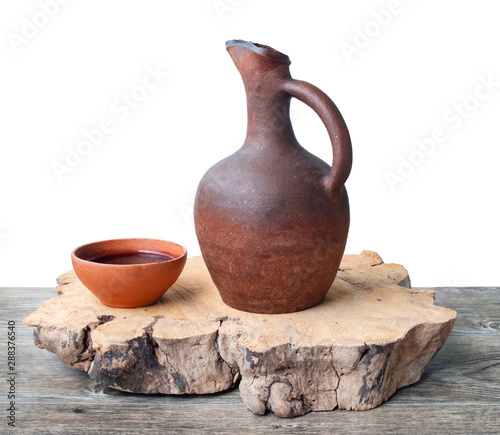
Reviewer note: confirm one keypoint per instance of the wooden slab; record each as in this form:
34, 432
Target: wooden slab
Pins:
370, 336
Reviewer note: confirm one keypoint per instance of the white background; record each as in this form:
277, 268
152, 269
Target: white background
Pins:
397, 86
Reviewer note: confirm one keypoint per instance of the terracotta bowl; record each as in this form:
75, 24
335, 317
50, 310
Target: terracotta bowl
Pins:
129, 273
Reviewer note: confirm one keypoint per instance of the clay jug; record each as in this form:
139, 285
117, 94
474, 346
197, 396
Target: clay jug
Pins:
272, 219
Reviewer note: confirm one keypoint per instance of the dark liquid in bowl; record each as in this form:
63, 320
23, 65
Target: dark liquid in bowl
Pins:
132, 258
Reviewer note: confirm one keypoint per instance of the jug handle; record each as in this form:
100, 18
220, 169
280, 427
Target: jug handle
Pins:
326, 109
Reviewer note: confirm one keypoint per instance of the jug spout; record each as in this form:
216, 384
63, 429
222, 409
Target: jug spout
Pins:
239, 49
263, 69
255, 61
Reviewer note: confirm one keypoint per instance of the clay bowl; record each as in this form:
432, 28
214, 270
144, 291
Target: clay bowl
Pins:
129, 273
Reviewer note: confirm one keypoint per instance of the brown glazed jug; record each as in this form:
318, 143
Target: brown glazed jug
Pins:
272, 219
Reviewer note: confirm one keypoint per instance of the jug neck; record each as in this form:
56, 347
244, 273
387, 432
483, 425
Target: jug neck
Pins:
263, 69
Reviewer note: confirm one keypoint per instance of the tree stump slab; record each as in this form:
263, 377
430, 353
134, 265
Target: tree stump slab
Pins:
370, 336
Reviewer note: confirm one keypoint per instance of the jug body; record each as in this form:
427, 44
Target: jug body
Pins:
272, 219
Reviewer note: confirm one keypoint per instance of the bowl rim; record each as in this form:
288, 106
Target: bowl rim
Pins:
143, 239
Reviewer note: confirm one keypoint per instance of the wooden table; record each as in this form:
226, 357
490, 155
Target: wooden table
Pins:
458, 393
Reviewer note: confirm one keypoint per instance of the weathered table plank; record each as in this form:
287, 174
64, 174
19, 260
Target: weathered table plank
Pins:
222, 419
459, 392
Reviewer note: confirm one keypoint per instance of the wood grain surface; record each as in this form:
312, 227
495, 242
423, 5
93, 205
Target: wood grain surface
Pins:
458, 393
369, 337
